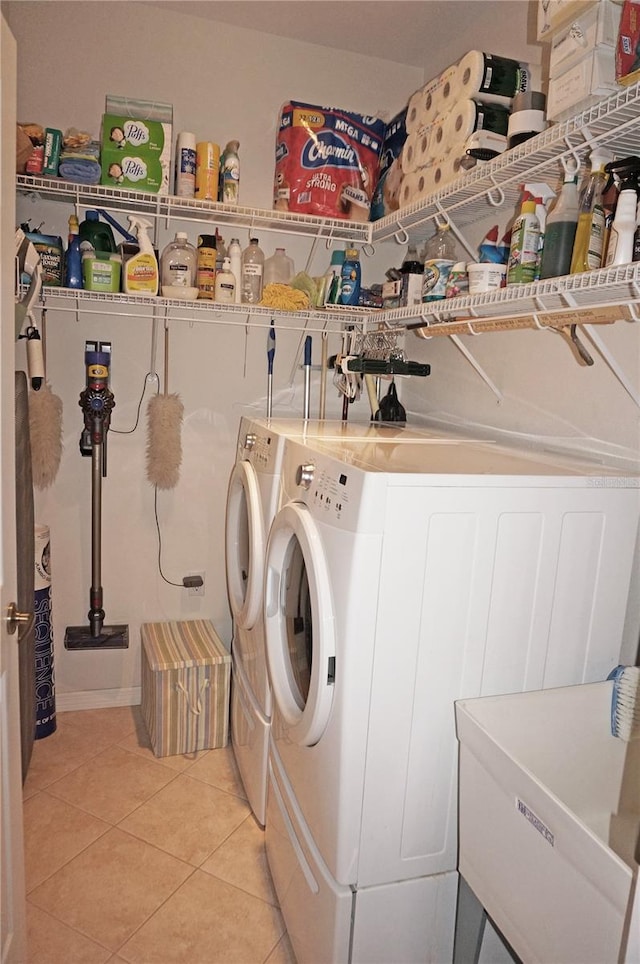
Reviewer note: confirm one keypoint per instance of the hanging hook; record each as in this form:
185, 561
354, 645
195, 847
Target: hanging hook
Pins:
472, 330
329, 239
501, 199
569, 170
401, 235
368, 249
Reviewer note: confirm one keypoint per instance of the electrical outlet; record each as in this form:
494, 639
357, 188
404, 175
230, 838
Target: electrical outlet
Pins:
197, 590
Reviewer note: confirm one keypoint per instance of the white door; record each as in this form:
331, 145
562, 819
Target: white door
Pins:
12, 925
299, 624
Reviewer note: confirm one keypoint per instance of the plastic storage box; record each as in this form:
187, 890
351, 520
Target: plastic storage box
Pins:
186, 671
549, 820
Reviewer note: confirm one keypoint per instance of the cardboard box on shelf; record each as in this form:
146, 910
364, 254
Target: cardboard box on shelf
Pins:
596, 28
628, 46
555, 14
583, 84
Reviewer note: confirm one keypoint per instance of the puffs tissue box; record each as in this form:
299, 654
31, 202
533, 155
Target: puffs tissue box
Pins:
186, 672
136, 145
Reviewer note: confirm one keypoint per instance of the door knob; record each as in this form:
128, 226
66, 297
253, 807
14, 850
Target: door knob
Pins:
15, 618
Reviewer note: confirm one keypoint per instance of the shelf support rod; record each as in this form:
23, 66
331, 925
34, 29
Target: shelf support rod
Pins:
612, 363
477, 367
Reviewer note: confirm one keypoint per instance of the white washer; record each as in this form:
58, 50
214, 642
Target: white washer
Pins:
400, 578
252, 501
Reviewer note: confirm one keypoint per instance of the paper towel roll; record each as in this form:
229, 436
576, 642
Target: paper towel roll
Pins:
424, 183
468, 116
408, 155
425, 146
447, 169
422, 107
445, 94
489, 78
432, 100
408, 188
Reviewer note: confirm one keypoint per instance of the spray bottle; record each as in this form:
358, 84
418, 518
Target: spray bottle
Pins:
620, 250
141, 269
560, 231
588, 247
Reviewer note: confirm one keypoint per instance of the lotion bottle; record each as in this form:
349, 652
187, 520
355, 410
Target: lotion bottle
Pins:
141, 269
226, 284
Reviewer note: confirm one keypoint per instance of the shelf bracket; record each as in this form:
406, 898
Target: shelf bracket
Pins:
612, 363
477, 367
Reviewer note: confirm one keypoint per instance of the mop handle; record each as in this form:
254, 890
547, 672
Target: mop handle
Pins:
307, 375
271, 351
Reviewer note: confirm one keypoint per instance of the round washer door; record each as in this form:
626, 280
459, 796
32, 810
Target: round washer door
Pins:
244, 545
299, 624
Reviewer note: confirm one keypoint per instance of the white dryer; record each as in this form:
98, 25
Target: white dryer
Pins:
401, 577
252, 501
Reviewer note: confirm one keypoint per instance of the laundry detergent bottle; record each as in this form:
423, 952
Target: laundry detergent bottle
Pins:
141, 269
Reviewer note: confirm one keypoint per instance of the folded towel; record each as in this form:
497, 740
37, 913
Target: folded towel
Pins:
80, 170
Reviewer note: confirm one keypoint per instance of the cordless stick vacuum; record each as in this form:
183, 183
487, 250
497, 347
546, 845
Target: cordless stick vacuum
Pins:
96, 402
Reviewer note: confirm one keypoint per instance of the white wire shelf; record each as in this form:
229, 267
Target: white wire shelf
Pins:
113, 304
613, 123
190, 209
596, 297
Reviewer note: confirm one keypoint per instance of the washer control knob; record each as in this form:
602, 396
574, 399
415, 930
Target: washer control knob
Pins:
250, 440
304, 474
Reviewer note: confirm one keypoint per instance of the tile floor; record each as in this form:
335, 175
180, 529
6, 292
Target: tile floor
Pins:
130, 858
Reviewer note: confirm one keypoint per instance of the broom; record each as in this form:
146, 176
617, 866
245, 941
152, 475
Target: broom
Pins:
164, 421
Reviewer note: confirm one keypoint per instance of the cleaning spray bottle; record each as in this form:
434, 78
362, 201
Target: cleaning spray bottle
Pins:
620, 249
588, 246
141, 269
560, 230
525, 236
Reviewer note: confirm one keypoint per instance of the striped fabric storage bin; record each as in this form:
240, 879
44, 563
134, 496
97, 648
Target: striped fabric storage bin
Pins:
186, 671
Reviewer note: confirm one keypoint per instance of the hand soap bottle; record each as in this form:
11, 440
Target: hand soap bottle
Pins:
141, 269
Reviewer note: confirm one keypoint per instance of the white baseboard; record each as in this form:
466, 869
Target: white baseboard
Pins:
98, 699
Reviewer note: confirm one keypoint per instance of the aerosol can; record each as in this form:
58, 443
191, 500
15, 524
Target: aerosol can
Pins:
623, 229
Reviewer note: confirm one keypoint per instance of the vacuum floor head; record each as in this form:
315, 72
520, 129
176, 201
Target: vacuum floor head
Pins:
110, 637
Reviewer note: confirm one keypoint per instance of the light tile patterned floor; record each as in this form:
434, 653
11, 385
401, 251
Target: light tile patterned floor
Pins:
132, 859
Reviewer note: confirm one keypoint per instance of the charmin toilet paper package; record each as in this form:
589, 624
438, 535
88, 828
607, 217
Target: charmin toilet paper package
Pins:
327, 161
386, 196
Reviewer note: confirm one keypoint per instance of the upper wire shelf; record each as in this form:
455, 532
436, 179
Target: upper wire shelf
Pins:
612, 123
190, 209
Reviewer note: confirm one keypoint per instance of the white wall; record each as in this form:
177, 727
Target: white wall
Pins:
223, 82
229, 82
